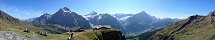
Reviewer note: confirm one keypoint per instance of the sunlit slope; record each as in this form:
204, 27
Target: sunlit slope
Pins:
193, 28
101, 34
14, 25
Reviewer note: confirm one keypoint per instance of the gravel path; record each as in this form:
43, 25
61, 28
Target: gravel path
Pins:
7, 35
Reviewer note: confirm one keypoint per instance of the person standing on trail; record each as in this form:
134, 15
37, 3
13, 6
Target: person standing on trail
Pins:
70, 36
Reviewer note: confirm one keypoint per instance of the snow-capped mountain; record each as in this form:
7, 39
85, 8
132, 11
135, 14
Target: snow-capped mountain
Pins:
42, 19
63, 17
129, 23
122, 17
103, 19
91, 15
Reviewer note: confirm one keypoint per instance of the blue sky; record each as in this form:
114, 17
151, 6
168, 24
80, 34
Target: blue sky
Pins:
25, 9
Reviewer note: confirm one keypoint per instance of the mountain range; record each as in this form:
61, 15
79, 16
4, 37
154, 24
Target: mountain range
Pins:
140, 26
129, 24
14, 29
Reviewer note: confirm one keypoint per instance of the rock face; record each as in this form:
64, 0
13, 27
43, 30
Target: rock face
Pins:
139, 22
104, 19
195, 27
42, 19
63, 17
101, 34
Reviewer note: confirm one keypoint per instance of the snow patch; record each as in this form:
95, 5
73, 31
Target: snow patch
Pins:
124, 18
66, 11
100, 17
87, 17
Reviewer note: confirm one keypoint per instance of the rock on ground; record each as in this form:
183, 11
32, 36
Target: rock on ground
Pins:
8, 35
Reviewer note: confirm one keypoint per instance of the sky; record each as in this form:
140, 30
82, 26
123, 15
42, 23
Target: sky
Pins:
24, 9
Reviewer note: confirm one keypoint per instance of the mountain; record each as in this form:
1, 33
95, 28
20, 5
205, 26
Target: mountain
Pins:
129, 24
90, 16
11, 28
9, 22
164, 22
195, 27
42, 19
103, 19
138, 22
142, 22
63, 17
122, 17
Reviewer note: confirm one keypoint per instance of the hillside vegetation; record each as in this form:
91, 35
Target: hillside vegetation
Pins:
193, 28
15, 26
101, 34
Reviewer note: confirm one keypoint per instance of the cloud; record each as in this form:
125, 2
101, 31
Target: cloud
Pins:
20, 13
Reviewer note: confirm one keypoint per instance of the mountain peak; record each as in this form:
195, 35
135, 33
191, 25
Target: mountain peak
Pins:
92, 13
105, 15
46, 15
211, 13
65, 9
142, 13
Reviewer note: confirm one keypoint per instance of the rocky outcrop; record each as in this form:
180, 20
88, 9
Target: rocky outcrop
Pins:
101, 34
8, 35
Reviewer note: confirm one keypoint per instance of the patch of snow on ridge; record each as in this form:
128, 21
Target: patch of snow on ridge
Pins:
87, 17
124, 18
100, 17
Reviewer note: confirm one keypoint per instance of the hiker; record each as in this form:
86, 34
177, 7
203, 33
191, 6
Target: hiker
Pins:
44, 34
40, 33
70, 36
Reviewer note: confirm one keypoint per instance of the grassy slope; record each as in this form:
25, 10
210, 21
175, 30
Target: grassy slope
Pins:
19, 27
202, 28
93, 34
9, 23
